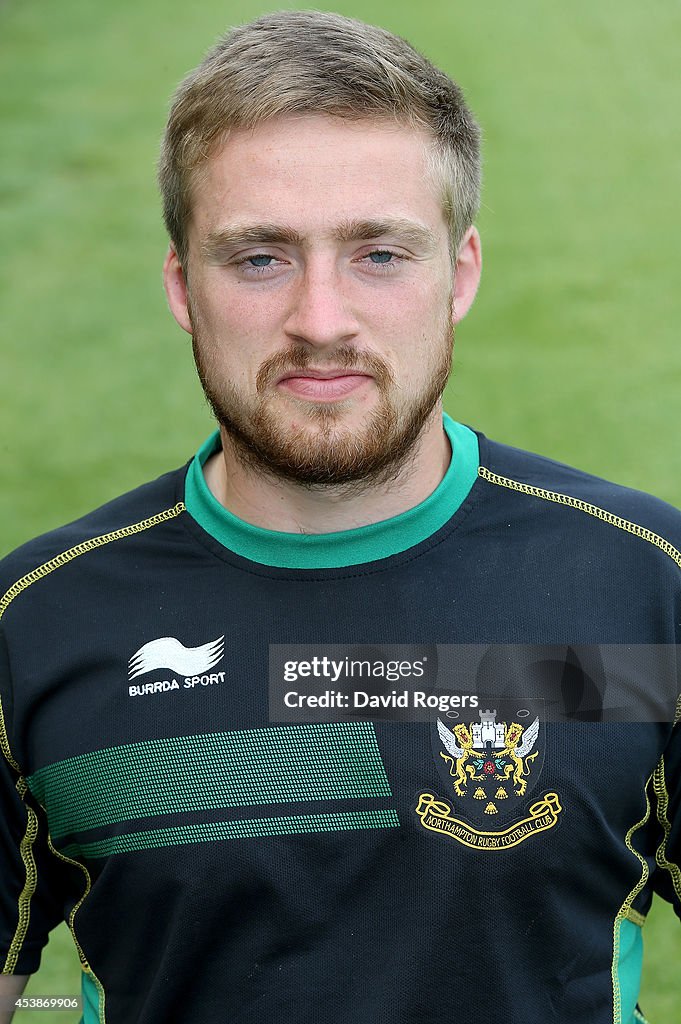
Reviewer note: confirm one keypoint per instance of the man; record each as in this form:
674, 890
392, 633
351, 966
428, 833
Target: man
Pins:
219, 856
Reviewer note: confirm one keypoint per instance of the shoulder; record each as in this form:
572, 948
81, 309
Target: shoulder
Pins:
578, 499
127, 515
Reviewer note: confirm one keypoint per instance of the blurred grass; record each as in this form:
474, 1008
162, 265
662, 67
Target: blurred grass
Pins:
571, 349
661, 988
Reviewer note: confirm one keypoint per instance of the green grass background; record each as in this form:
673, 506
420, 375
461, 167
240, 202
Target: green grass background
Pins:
572, 348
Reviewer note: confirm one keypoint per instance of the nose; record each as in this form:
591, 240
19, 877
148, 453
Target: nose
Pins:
320, 313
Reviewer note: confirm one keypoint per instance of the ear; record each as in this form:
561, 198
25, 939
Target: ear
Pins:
466, 274
175, 285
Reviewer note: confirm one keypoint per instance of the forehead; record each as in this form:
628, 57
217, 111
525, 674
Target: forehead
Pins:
314, 171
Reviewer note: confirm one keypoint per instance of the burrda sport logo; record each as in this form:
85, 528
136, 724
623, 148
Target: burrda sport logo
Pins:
192, 664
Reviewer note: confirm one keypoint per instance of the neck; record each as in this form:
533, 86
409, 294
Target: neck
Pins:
277, 504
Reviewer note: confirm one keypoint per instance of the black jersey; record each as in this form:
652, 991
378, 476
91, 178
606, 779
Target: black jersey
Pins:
215, 862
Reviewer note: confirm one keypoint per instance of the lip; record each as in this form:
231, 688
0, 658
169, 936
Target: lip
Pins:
328, 386
320, 374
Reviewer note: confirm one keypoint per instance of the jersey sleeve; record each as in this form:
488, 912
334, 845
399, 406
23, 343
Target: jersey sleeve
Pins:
30, 901
667, 786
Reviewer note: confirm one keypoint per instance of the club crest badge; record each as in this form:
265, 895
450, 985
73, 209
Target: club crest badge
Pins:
490, 768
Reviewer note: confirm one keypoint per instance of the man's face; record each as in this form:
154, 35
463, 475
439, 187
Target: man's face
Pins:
319, 295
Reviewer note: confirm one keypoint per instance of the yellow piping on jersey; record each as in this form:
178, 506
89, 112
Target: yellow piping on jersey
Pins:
660, 787
82, 549
26, 846
4, 746
26, 852
83, 959
584, 506
635, 917
626, 909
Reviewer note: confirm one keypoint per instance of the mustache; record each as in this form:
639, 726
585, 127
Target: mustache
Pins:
345, 357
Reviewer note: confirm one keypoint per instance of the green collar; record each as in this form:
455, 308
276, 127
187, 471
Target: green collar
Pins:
346, 547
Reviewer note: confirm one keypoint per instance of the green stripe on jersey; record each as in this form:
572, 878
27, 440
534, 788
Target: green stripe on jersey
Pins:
347, 547
250, 767
244, 829
93, 1008
628, 970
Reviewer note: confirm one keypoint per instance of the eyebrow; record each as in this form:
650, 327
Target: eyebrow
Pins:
220, 244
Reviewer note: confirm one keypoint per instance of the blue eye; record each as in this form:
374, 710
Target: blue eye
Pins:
381, 257
258, 265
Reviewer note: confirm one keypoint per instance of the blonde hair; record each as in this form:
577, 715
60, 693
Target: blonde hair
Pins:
297, 62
